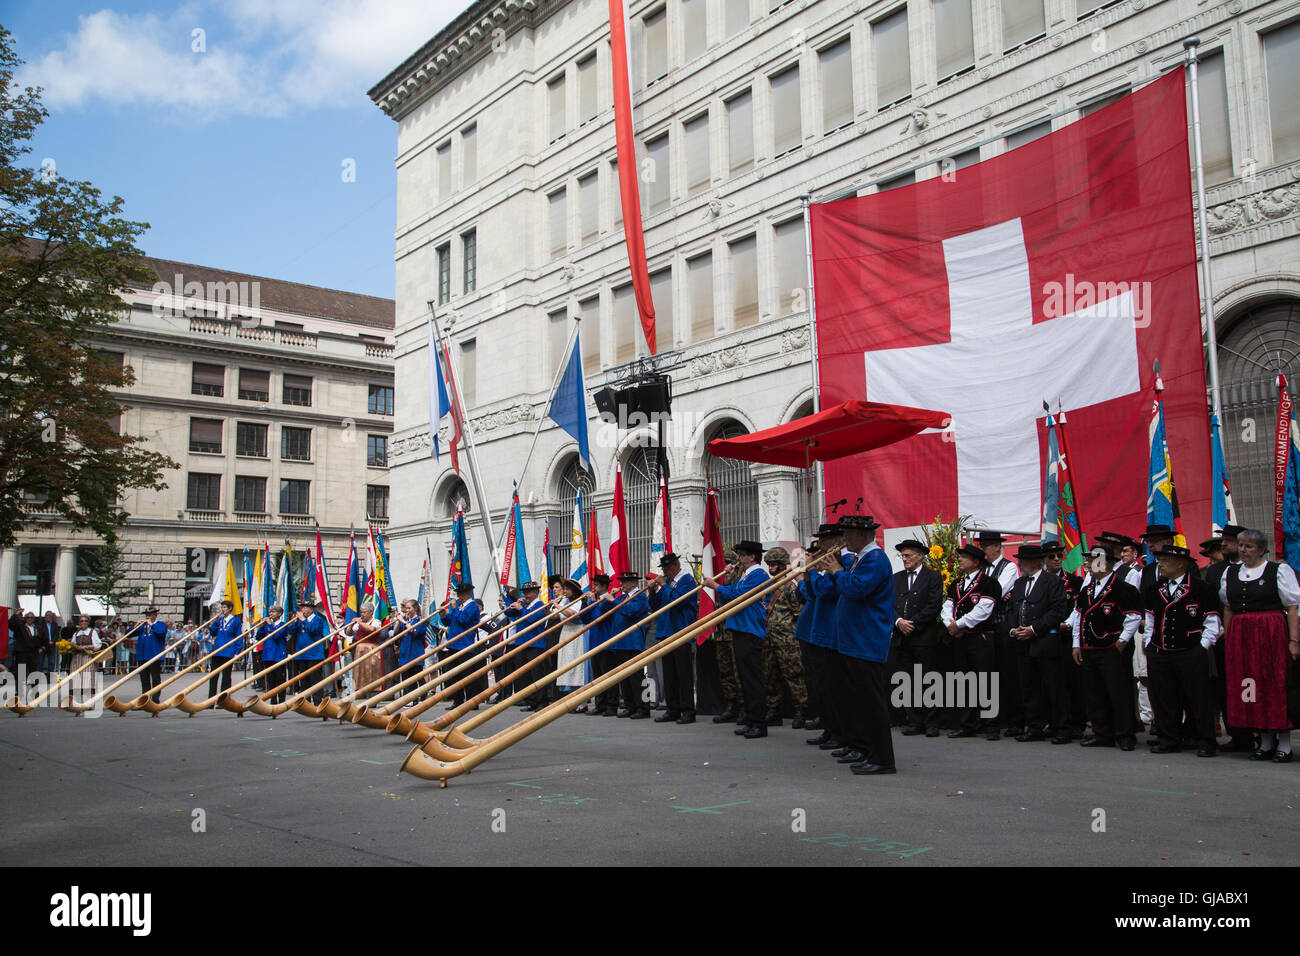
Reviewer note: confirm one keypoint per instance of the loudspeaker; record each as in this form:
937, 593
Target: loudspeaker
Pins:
607, 404
652, 398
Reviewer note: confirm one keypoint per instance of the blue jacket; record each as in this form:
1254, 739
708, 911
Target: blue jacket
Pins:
803, 627
680, 615
603, 631
825, 595
412, 643
275, 647
225, 633
308, 632
151, 642
463, 621
525, 618
864, 615
753, 619
627, 613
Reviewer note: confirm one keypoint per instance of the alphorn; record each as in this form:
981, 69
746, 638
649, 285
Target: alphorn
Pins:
455, 763
307, 709
331, 708
97, 658
146, 701
226, 699
423, 732
180, 699
121, 709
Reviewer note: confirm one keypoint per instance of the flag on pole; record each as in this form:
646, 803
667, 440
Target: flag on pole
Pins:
229, 587
267, 586
459, 571
578, 546
548, 574
618, 554
323, 582
256, 603
352, 585
595, 555
1286, 470
445, 406
385, 602
522, 571
1162, 497
661, 539
424, 575
1074, 543
1224, 513
1051, 487
250, 596
308, 576
508, 558
286, 595
568, 407
713, 561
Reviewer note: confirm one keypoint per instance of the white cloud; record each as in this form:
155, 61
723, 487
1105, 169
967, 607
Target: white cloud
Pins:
259, 59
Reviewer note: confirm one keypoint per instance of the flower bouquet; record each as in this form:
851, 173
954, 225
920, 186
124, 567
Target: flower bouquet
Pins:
943, 539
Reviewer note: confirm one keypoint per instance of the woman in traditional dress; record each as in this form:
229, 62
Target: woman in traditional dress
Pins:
1260, 600
86, 642
365, 635
568, 609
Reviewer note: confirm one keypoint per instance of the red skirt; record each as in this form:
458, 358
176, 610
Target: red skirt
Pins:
1256, 649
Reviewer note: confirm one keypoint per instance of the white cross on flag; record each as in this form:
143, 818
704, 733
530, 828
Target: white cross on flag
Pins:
1059, 271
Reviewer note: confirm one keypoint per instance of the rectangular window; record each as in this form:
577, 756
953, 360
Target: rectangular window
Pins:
699, 279
658, 196
559, 217
295, 443
1022, 21
837, 85
626, 322
205, 435
787, 118
377, 451
735, 16
469, 154
963, 159
590, 311
297, 390
376, 501
661, 294
953, 40
906, 179
791, 272
587, 104
557, 338
618, 193
1101, 102
1216, 143
694, 28
203, 493
295, 496
469, 260
1027, 135
36, 559
555, 107
380, 400
250, 494
444, 273
1282, 66
893, 59
469, 372
589, 206
743, 254
656, 45
444, 170
697, 154
209, 380
740, 132
254, 385
250, 439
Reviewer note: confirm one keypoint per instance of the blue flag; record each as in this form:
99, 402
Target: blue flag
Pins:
459, 572
1051, 486
1286, 513
1222, 490
568, 407
522, 573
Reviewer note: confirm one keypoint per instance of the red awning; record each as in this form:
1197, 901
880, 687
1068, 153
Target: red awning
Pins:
832, 433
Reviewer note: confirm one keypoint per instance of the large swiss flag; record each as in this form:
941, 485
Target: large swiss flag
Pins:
1058, 271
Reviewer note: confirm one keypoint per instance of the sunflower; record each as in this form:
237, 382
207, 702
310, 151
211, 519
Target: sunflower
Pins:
936, 551
946, 576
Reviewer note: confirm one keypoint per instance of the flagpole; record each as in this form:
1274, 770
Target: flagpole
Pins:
1207, 284
819, 489
484, 509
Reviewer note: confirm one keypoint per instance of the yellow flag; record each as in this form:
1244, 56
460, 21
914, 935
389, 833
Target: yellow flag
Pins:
232, 589
256, 611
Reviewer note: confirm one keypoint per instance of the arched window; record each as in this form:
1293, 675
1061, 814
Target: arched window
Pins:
640, 490
454, 495
806, 520
737, 491
561, 526
1260, 344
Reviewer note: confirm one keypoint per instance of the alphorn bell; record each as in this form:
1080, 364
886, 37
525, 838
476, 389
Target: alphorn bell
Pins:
420, 764
97, 658
226, 699
180, 699
307, 709
330, 708
146, 701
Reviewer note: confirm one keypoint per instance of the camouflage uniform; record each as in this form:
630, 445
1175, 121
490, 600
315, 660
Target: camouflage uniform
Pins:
726, 656
781, 655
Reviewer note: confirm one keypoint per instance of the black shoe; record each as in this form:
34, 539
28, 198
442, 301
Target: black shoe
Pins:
754, 732
1031, 736
1280, 757
869, 769
624, 713
1062, 739
1209, 750
1263, 754
842, 751
933, 732
742, 730
1128, 744
687, 718
954, 734
640, 715
818, 740
772, 719
798, 722
610, 712
814, 724
1165, 748
993, 735
1097, 742
852, 756
831, 744
668, 716
728, 715
913, 731
1013, 731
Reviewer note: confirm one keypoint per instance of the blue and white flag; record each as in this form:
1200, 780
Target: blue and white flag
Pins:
578, 545
1224, 513
568, 407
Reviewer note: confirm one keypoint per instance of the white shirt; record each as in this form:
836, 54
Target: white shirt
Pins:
1007, 576
1209, 633
911, 582
976, 616
1131, 620
1287, 587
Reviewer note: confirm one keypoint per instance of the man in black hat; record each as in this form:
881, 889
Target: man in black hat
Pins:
1011, 713
1037, 608
525, 613
149, 648
631, 608
1053, 562
968, 608
748, 629
226, 631
679, 665
918, 598
819, 651
1104, 622
1182, 622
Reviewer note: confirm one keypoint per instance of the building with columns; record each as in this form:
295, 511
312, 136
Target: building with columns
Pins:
275, 398
508, 216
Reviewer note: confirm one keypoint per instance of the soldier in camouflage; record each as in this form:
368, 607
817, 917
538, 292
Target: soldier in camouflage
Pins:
727, 672
781, 655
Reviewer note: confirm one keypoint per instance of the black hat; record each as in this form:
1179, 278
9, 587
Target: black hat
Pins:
1232, 530
1109, 545
750, 547
826, 531
629, 576
600, 579
227, 603
1174, 551
858, 522
512, 594
465, 586
911, 544
1210, 545
305, 602
973, 551
530, 586
1052, 547
1122, 540
669, 558
1031, 552
1158, 531
151, 610
991, 537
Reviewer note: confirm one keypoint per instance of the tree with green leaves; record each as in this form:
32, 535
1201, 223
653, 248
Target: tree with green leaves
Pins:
65, 255
106, 577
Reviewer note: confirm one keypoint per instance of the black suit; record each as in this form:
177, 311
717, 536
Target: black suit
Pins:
919, 604
1041, 658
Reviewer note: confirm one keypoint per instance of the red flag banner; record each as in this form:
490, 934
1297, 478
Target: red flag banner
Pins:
1281, 465
1057, 270
713, 562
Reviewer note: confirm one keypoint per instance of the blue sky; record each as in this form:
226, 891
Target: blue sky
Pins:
231, 142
